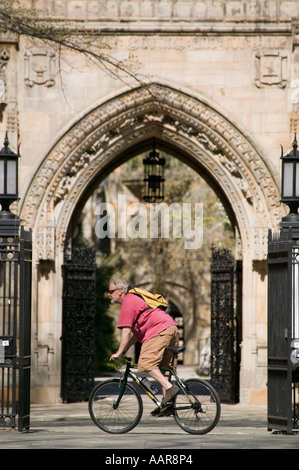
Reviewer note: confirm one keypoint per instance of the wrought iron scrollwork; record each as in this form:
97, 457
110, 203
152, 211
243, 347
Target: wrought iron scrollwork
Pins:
78, 342
223, 326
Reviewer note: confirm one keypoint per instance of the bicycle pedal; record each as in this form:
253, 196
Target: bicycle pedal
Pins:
165, 411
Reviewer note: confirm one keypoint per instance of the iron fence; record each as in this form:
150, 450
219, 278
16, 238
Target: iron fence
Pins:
15, 328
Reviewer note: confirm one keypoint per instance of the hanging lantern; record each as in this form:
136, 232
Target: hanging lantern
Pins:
154, 177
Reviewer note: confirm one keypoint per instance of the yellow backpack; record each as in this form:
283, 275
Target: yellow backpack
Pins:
152, 300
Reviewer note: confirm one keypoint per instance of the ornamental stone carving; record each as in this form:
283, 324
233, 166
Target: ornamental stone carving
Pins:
236, 11
4, 58
271, 69
40, 68
180, 122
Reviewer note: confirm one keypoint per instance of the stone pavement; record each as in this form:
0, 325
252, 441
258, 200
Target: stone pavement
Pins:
68, 426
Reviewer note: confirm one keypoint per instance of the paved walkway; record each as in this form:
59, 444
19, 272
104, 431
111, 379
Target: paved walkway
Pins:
68, 426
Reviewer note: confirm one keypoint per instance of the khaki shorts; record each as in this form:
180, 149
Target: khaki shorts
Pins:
153, 354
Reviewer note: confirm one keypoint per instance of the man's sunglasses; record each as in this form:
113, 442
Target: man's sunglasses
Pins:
111, 291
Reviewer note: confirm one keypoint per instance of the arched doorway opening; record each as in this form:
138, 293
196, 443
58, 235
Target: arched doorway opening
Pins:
160, 264
189, 128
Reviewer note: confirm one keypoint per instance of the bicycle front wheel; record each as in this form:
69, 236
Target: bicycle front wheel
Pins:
112, 418
198, 411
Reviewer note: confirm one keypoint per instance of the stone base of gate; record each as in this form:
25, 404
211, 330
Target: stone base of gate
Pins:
45, 395
253, 382
253, 396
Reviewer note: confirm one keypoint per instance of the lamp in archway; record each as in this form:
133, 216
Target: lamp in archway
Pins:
290, 185
154, 177
8, 179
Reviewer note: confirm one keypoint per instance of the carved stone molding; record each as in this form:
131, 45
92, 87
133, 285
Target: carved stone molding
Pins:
185, 125
45, 242
4, 58
236, 11
271, 69
295, 32
8, 89
7, 37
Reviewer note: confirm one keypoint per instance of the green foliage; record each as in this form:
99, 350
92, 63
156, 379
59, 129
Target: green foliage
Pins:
166, 260
105, 341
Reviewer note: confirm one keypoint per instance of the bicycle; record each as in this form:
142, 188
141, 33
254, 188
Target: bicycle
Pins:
116, 405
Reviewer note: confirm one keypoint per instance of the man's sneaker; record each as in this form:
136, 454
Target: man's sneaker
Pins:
156, 411
160, 412
170, 394
167, 411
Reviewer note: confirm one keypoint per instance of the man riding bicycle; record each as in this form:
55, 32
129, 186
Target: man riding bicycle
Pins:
155, 330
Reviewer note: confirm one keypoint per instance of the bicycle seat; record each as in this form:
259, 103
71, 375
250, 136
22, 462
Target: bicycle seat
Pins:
175, 349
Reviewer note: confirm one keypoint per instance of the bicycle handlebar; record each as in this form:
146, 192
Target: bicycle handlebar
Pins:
128, 359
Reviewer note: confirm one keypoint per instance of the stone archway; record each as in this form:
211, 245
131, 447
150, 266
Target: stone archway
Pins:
107, 135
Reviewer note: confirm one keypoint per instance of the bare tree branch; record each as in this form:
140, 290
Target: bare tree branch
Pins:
63, 35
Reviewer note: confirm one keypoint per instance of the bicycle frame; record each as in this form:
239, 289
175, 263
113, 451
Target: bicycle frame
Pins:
128, 373
116, 405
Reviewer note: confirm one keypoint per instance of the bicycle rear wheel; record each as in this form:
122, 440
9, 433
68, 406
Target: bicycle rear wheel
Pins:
105, 414
199, 411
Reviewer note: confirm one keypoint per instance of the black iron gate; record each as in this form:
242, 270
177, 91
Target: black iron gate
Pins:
280, 287
15, 327
225, 324
78, 329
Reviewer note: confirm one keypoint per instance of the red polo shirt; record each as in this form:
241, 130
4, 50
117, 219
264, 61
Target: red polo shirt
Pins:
151, 322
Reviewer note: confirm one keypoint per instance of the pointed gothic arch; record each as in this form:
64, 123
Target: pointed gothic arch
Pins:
185, 126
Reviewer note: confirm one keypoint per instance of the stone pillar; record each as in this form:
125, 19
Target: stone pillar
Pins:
253, 372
